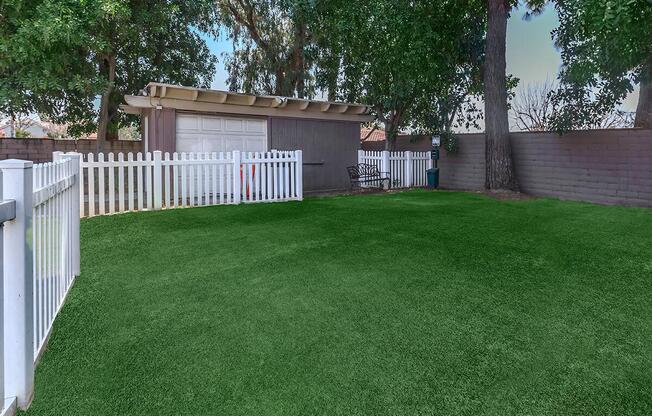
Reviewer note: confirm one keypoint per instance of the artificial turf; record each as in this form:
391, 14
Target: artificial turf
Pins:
410, 303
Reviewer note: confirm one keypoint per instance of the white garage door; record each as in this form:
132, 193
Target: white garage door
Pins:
200, 133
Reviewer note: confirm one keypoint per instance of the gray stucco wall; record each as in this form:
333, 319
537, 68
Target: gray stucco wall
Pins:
602, 166
328, 148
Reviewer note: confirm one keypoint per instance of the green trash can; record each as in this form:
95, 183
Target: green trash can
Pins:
433, 177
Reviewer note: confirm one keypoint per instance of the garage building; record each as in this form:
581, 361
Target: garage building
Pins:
186, 119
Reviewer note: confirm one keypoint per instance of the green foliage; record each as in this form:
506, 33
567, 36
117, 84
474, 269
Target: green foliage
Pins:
54, 54
606, 49
271, 41
415, 63
21, 133
449, 141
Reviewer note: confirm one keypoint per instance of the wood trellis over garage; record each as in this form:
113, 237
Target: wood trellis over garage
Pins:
185, 119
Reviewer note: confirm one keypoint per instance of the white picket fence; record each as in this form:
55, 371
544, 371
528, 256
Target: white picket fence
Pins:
154, 181
40, 250
55, 230
406, 169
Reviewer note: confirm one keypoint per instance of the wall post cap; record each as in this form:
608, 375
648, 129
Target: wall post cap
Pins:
16, 164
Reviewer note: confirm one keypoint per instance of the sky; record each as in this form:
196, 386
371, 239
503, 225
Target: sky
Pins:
531, 54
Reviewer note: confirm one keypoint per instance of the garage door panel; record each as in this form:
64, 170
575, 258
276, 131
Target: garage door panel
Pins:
256, 126
202, 133
187, 122
234, 143
189, 143
212, 124
234, 125
254, 145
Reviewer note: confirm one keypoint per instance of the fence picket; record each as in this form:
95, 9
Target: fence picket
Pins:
121, 183
130, 181
148, 181
286, 175
139, 180
199, 180
111, 190
82, 191
207, 178
191, 181
184, 185
214, 178
175, 179
101, 189
91, 186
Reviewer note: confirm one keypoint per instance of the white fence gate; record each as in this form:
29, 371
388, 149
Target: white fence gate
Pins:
40, 250
153, 181
406, 169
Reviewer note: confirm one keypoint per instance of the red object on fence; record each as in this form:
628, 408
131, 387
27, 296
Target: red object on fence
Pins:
253, 173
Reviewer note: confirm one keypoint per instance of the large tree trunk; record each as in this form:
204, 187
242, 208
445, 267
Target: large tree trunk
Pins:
12, 125
107, 68
500, 167
391, 130
298, 58
644, 107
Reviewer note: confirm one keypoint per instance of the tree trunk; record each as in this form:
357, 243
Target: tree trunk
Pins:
280, 82
499, 164
644, 108
298, 57
107, 68
12, 125
391, 130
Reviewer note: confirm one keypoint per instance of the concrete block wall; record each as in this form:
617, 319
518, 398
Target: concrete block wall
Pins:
601, 166
40, 150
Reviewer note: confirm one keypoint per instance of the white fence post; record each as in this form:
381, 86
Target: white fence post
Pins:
237, 180
408, 169
6, 213
299, 173
18, 285
386, 167
76, 213
158, 194
360, 156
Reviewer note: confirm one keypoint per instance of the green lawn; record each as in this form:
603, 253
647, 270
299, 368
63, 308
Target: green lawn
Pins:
411, 303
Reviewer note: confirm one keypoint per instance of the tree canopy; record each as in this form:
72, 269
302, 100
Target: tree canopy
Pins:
271, 41
58, 56
606, 48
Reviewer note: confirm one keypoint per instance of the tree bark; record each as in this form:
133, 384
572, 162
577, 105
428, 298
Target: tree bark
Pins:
107, 67
644, 108
298, 58
391, 129
12, 125
499, 165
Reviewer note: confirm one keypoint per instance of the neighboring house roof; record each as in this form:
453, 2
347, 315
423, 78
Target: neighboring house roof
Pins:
377, 135
217, 101
33, 126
